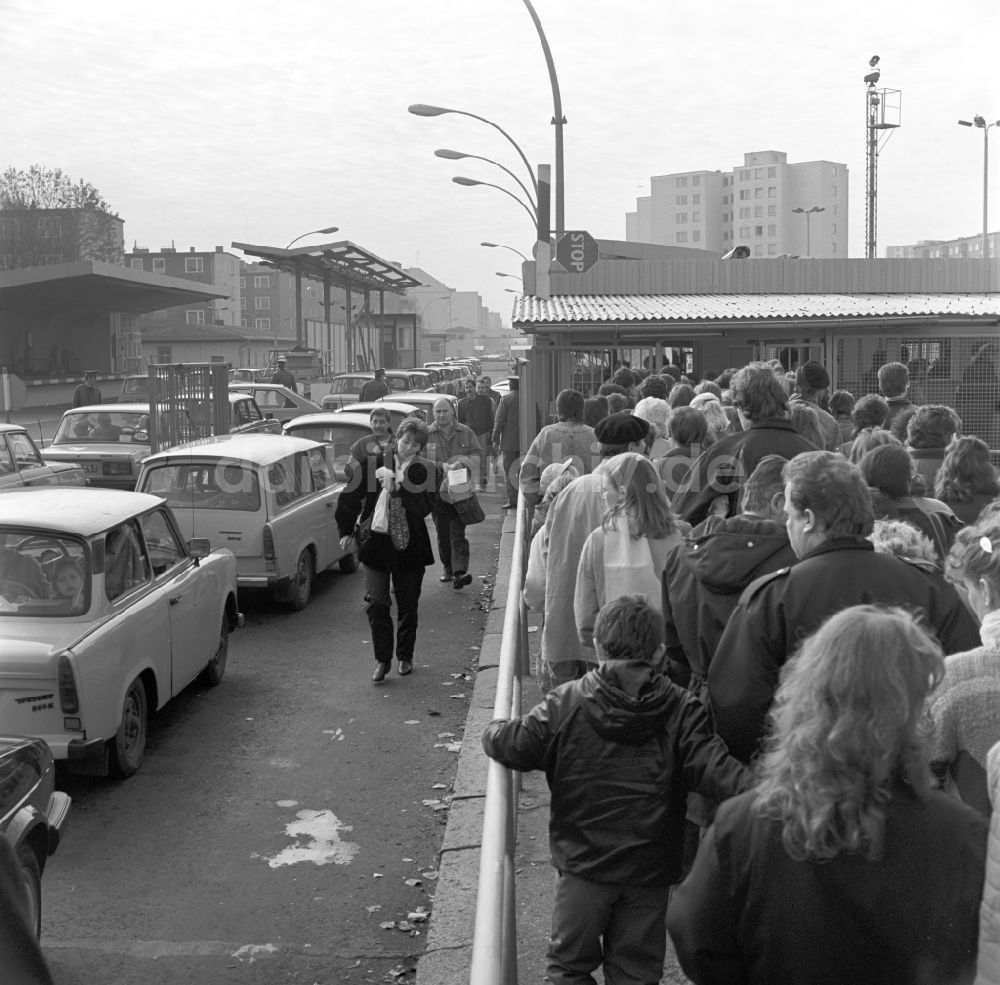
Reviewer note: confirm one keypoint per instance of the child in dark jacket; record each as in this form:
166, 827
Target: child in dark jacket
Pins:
621, 748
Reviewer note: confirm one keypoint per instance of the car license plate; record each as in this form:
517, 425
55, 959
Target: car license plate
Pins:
90, 467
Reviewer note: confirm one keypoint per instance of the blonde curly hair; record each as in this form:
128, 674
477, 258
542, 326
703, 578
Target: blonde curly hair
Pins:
845, 728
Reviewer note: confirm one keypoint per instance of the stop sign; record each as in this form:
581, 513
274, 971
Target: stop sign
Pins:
577, 251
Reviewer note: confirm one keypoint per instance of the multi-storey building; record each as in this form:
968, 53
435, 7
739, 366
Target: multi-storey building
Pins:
449, 322
217, 268
42, 237
768, 205
963, 248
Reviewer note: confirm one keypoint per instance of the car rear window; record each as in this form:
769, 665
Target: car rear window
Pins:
205, 486
42, 574
338, 437
347, 384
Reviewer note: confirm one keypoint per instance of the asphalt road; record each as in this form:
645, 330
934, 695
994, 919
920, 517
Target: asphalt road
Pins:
280, 820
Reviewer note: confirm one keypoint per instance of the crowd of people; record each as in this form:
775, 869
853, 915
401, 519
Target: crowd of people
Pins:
771, 677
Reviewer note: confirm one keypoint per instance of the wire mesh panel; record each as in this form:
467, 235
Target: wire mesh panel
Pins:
962, 372
187, 402
740, 355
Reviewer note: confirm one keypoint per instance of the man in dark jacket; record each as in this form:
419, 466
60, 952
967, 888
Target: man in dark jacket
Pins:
829, 517
376, 388
87, 393
722, 469
620, 748
283, 377
706, 573
893, 383
475, 411
507, 439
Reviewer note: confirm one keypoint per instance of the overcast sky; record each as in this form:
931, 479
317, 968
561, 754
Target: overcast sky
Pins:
204, 123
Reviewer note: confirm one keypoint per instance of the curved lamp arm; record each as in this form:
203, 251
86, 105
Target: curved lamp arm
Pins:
469, 182
422, 109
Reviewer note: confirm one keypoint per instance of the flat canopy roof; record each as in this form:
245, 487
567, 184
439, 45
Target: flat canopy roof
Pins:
344, 260
91, 287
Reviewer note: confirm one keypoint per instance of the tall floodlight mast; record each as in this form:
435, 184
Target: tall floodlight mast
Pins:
882, 113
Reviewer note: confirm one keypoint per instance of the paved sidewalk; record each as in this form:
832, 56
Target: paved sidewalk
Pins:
448, 953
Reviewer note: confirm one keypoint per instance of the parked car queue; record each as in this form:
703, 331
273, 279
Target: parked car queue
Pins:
113, 601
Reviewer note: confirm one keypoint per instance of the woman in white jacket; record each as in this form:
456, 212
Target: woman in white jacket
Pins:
626, 555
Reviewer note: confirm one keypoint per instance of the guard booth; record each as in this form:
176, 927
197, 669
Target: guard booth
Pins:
187, 401
941, 318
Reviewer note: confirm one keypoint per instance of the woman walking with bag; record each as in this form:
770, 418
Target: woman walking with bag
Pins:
391, 490
456, 450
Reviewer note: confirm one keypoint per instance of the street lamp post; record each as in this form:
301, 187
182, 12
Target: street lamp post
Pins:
807, 213
470, 182
299, 333
329, 229
979, 121
558, 121
501, 246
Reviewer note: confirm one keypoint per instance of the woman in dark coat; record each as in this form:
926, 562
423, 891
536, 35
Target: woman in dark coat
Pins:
888, 471
412, 481
844, 866
967, 480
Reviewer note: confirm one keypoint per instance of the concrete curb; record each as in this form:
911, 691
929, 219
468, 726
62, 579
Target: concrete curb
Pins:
448, 954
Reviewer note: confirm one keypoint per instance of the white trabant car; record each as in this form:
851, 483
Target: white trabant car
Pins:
338, 430
105, 614
22, 464
109, 441
270, 499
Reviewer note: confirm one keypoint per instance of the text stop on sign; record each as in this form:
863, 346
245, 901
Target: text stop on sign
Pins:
577, 251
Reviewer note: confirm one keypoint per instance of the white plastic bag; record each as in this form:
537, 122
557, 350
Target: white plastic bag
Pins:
380, 516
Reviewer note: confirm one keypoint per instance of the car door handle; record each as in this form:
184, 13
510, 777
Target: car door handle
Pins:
174, 599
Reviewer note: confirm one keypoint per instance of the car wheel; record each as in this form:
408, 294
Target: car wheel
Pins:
301, 587
31, 876
349, 563
216, 667
128, 746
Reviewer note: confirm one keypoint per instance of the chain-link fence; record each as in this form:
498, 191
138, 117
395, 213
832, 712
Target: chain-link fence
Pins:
962, 372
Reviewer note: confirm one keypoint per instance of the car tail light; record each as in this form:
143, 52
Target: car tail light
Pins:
269, 560
69, 700
117, 468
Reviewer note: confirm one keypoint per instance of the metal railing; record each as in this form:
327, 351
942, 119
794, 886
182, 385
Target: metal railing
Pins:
494, 942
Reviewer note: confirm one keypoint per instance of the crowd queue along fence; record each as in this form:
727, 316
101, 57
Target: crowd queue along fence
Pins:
956, 368
494, 944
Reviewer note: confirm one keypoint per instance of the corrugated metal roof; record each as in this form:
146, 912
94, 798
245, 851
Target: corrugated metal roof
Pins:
598, 308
